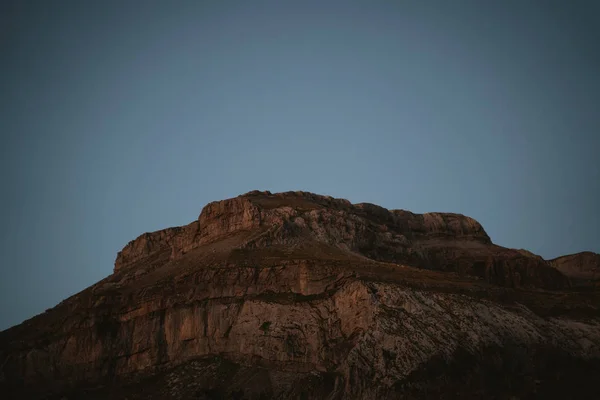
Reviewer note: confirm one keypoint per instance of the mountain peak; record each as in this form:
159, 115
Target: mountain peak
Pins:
301, 221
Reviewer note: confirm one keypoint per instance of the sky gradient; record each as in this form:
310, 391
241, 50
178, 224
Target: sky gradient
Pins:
121, 117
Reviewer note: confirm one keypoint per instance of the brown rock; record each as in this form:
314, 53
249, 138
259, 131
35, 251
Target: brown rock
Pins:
146, 245
582, 268
296, 295
442, 241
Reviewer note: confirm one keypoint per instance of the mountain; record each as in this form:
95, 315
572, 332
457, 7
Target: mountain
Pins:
300, 296
583, 269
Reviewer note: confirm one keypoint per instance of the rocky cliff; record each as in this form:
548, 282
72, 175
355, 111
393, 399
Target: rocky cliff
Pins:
440, 241
296, 295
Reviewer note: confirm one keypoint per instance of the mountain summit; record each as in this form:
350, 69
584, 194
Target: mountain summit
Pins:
297, 295
306, 225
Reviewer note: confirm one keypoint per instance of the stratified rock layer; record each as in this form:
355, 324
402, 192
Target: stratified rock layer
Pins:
296, 295
441, 241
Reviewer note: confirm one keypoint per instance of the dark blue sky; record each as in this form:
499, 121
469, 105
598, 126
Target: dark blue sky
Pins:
120, 117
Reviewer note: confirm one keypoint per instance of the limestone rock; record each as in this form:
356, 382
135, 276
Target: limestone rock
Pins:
146, 245
296, 295
442, 241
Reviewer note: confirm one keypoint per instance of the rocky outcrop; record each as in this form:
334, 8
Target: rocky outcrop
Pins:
441, 241
297, 295
582, 268
222, 218
146, 245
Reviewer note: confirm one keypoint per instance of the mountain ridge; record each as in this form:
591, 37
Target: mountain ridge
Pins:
364, 229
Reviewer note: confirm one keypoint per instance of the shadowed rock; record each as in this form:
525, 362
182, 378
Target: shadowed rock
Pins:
582, 268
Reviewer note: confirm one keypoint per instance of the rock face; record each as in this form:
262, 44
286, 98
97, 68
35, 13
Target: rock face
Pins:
441, 241
582, 268
301, 296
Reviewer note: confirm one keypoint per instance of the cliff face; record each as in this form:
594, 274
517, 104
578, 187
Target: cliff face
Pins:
297, 295
440, 241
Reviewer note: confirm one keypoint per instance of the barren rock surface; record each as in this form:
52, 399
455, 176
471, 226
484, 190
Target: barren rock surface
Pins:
301, 296
582, 268
441, 241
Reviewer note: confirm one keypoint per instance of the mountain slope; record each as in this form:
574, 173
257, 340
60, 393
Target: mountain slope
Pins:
296, 295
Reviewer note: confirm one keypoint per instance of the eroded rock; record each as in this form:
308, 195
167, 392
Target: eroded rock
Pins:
296, 295
441, 241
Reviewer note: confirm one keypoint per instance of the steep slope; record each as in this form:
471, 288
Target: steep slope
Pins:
296, 295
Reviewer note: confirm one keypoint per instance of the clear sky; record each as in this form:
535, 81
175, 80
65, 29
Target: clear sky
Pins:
121, 117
